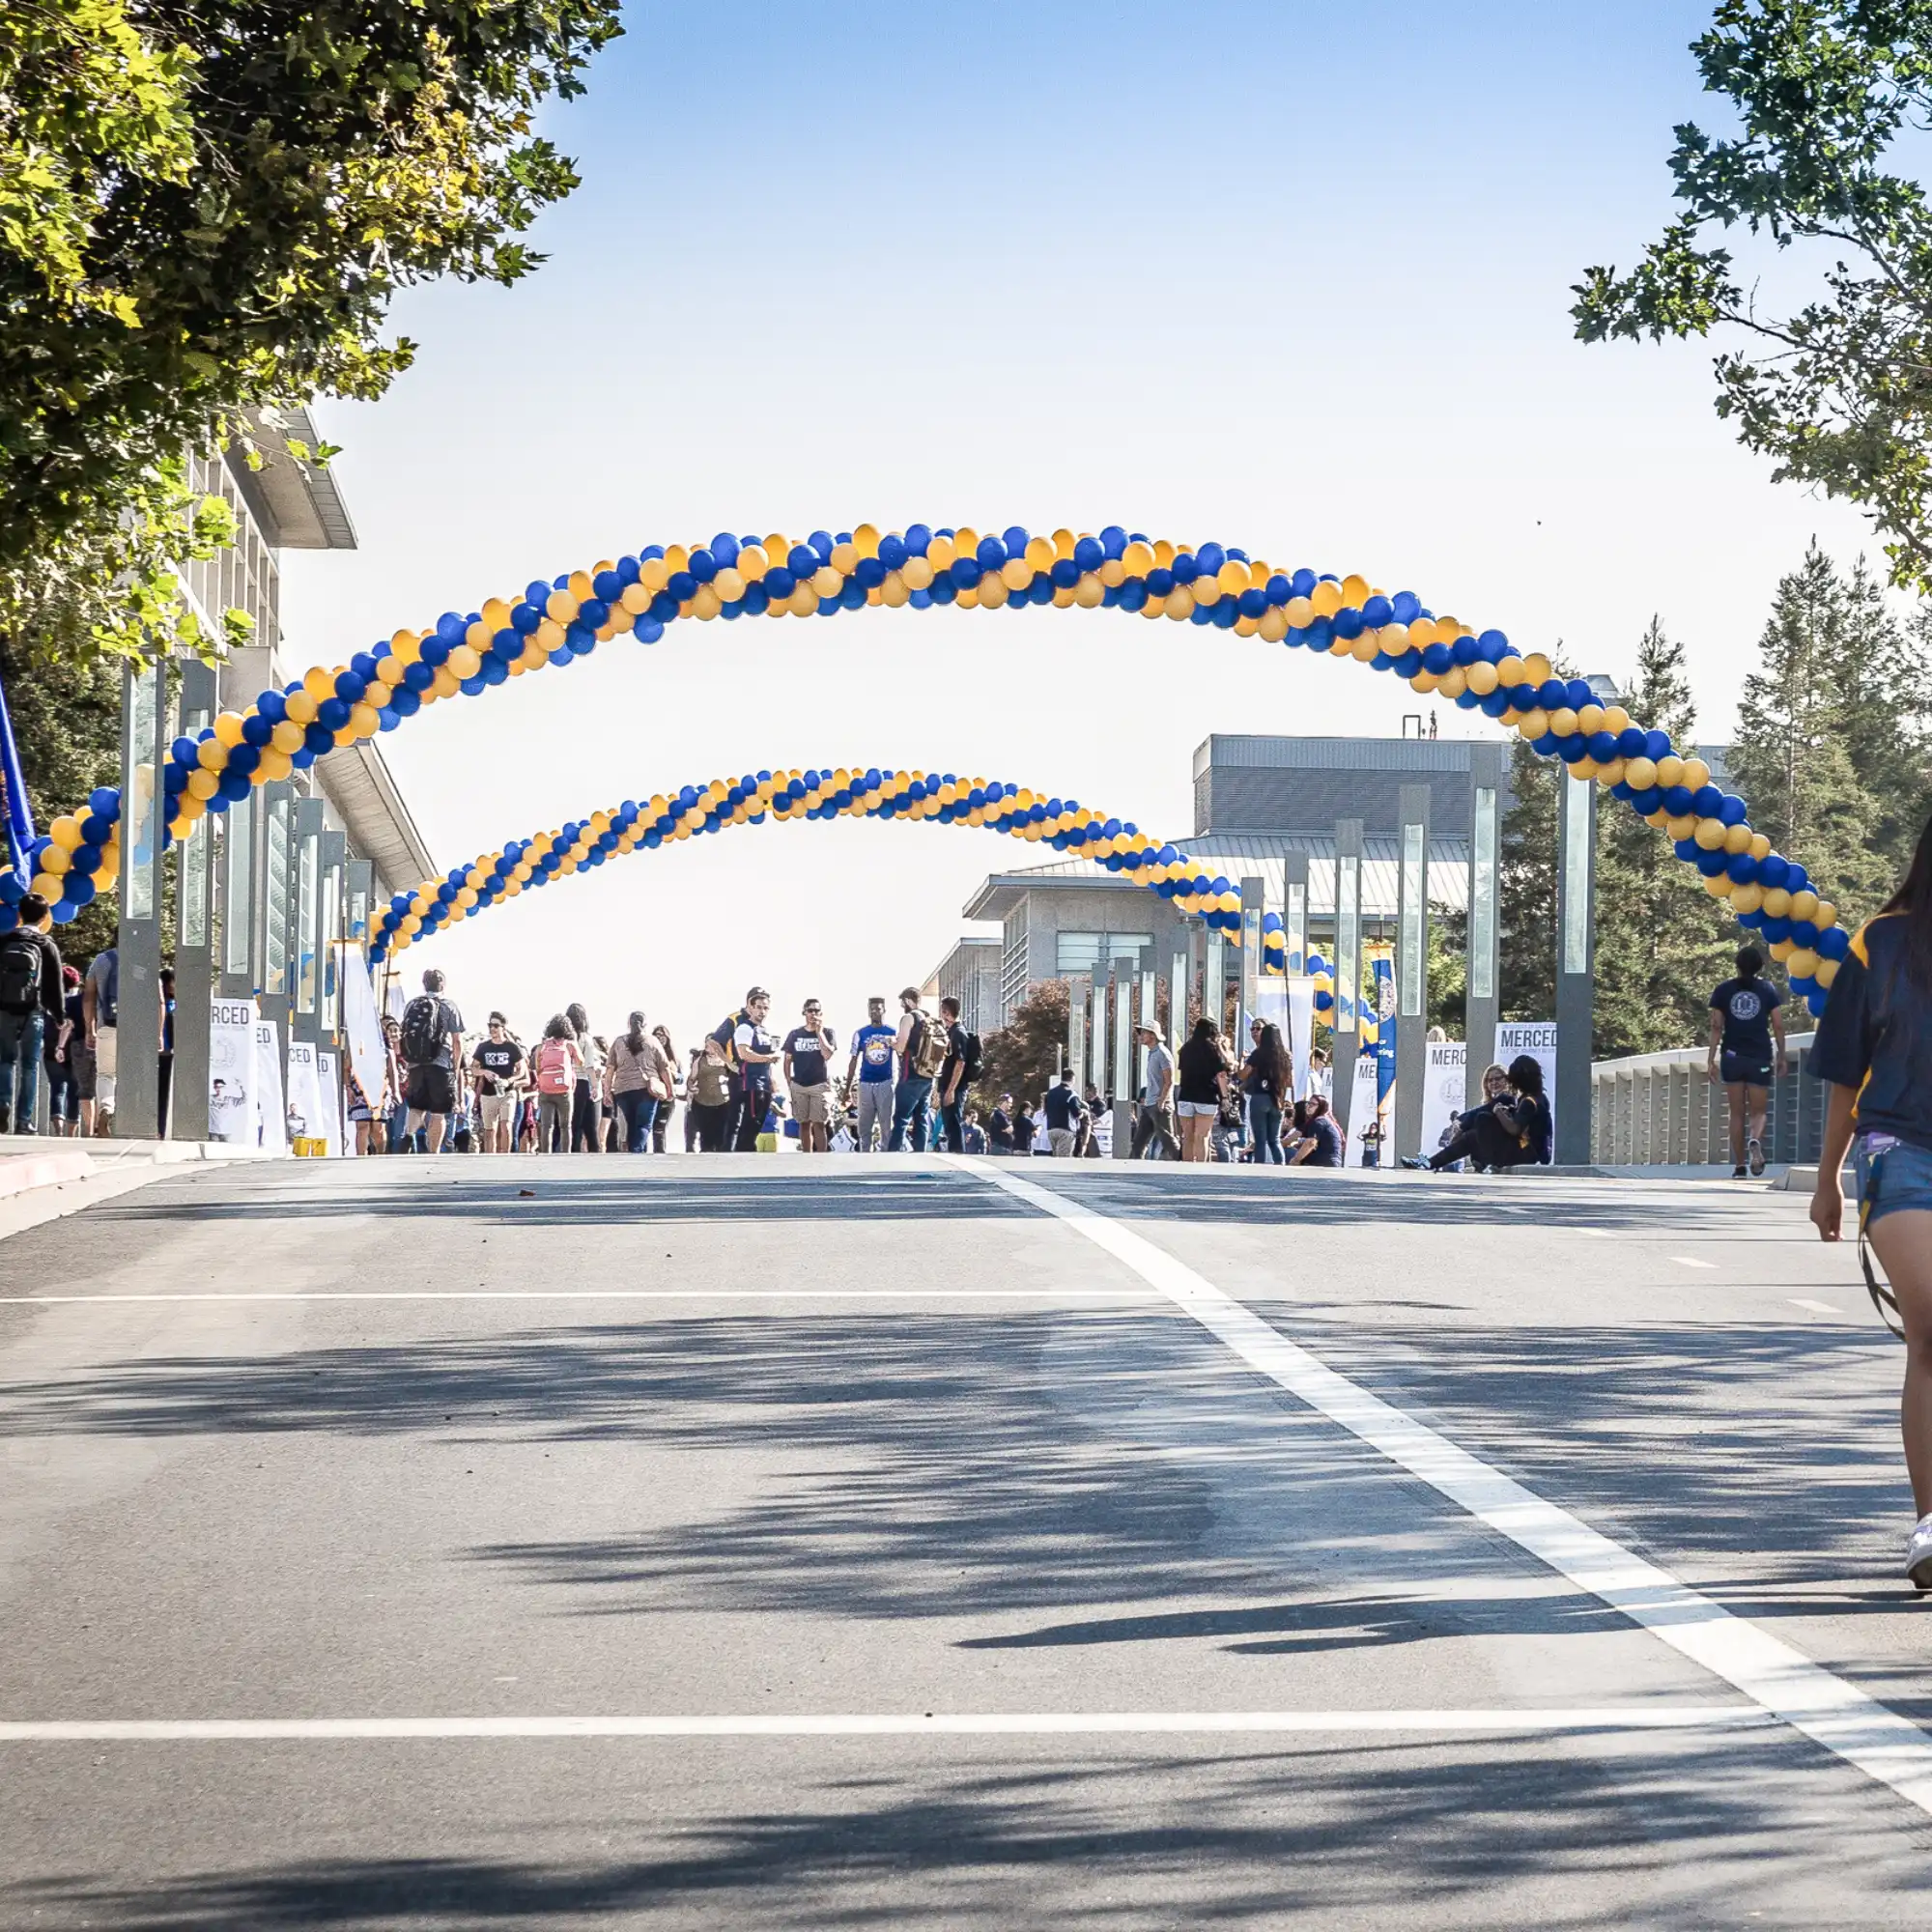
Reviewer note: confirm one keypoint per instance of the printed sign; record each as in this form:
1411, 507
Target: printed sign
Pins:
1442, 1091
332, 1126
1364, 1132
1301, 1032
306, 1115
271, 1126
231, 1072
1537, 1040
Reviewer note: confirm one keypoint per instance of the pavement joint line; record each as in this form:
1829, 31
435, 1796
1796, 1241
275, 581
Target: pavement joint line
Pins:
1777, 1678
931, 1723
1691, 1261
1816, 1307
923, 1294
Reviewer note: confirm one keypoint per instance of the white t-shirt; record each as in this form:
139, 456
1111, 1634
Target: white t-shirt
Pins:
592, 1068
1103, 1131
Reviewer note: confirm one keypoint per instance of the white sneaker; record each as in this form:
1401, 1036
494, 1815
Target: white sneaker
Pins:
1918, 1556
1754, 1150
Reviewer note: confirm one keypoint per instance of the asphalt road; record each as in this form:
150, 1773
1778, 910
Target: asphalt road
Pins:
773, 1542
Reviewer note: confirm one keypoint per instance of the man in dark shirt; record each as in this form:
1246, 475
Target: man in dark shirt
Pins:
1744, 1017
432, 1039
953, 1077
1000, 1126
496, 1064
808, 1053
30, 1003
1064, 1115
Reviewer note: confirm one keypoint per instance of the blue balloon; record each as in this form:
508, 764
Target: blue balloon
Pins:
1185, 568
1677, 800
919, 539
893, 552
1552, 695
1089, 555
1773, 871
1706, 800
1776, 930
1493, 645
1835, 943
1656, 744
1377, 612
1632, 742
1407, 607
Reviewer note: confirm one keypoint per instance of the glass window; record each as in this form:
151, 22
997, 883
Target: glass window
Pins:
1410, 958
1093, 952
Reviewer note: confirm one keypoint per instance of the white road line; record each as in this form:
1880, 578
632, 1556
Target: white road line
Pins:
926, 1292
1691, 1261
1776, 1677
1816, 1307
899, 1725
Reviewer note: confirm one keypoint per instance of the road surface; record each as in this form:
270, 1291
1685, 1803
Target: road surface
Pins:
785, 1542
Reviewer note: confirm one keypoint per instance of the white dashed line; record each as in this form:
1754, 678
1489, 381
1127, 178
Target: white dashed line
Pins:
1816, 1307
1691, 1261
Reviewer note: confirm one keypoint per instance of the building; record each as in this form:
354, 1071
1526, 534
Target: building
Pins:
290, 505
1256, 802
971, 975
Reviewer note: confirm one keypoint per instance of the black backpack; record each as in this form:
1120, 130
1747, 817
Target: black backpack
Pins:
972, 1065
422, 1030
22, 961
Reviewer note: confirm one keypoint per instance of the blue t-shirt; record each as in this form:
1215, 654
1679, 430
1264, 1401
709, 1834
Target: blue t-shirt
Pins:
1328, 1143
873, 1045
1747, 1006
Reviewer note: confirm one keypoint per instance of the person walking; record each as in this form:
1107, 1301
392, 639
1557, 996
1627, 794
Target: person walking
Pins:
752, 1053
496, 1070
808, 1056
956, 1074
556, 1064
919, 1045
1202, 1069
640, 1082
586, 1111
1268, 1079
711, 1096
1154, 1137
1744, 1018
32, 1000
59, 1054
660, 1124
1064, 1115
432, 1047
101, 1005
871, 1076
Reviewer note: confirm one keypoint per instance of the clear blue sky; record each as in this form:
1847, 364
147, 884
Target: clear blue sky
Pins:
1291, 276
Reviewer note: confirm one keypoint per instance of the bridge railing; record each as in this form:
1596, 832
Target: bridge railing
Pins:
1663, 1110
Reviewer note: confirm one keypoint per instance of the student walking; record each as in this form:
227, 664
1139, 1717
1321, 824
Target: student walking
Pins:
660, 1126
557, 1063
432, 1046
497, 1065
752, 1053
956, 1074
640, 1082
1203, 1068
808, 1068
1064, 1116
711, 1094
871, 1074
32, 1002
1153, 1125
1744, 1017
1874, 1052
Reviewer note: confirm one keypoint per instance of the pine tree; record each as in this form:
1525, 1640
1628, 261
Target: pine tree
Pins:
1662, 942
1881, 688
1526, 887
1791, 760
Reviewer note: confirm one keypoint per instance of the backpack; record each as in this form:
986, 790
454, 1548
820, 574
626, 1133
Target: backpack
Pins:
929, 1048
22, 964
422, 1030
972, 1064
553, 1072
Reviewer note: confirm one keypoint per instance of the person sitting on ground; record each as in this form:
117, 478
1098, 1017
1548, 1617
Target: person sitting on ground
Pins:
1514, 1132
1744, 1018
1316, 1141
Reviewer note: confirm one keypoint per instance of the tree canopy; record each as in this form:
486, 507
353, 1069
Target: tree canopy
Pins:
1827, 94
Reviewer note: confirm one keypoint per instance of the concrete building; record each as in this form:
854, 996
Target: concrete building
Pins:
971, 975
1256, 801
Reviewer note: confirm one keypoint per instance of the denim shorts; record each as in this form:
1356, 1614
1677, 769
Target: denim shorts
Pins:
1892, 1176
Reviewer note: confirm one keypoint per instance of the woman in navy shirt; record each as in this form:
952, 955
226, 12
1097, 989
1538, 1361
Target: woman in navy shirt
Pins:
1874, 1049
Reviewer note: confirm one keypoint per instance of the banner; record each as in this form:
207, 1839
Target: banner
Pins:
231, 1072
1301, 1032
362, 1025
1383, 964
1537, 1040
306, 1115
329, 1079
1363, 1132
1442, 1091
271, 1122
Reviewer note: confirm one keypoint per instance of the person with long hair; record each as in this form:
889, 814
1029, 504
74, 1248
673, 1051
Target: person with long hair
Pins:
660, 1126
640, 1082
557, 1063
586, 1101
1874, 1054
1204, 1066
1268, 1079
1512, 1131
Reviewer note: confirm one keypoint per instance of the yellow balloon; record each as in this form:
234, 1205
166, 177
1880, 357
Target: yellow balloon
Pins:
211, 756
1710, 834
1800, 963
1563, 722
1697, 773
1747, 899
301, 707
1803, 903
464, 661
56, 859
1670, 769
1640, 774
1776, 902
1827, 971
65, 831
228, 728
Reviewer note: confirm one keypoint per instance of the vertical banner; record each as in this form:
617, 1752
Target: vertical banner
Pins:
1362, 1120
272, 1121
1301, 1032
231, 1072
1537, 1040
364, 1029
328, 1077
1386, 1057
306, 1117
1442, 1091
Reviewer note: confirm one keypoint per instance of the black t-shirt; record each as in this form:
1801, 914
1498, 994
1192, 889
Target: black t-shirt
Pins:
448, 1020
497, 1061
955, 1053
1747, 1006
808, 1050
1534, 1129
999, 1128
1328, 1143
1876, 1036
1199, 1061
1063, 1110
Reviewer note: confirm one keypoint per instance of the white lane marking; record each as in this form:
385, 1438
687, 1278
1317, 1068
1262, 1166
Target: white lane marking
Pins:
1778, 1679
950, 1724
926, 1292
1816, 1307
1691, 1261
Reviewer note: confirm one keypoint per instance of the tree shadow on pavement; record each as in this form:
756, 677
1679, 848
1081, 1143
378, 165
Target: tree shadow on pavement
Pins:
1490, 1834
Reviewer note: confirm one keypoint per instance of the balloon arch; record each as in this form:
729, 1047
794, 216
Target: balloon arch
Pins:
555, 623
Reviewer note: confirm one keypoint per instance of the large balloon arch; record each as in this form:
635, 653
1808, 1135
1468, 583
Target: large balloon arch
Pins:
558, 622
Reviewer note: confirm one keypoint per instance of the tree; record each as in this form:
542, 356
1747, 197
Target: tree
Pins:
1879, 685
1526, 887
1661, 941
1023, 1055
205, 212
1836, 392
1791, 761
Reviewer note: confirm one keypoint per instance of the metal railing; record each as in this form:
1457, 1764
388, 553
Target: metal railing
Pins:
1663, 1110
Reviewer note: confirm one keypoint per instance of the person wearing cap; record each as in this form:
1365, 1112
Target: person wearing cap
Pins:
1155, 1138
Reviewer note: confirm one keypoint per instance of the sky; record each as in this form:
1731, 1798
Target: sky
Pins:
1287, 275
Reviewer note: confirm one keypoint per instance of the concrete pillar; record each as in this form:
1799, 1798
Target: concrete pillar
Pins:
1485, 1002
306, 923
1214, 978
1099, 1077
1295, 911
334, 911
1079, 989
1411, 970
1576, 964
1125, 966
1144, 1013
194, 934
144, 745
273, 910
1178, 978
1253, 904
1348, 962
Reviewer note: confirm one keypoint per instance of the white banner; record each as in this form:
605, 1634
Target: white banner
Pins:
334, 1128
363, 1027
231, 1072
271, 1121
1442, 1091
1537, 1040
1301, 1032
1362, 1113
307, 1120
